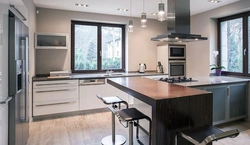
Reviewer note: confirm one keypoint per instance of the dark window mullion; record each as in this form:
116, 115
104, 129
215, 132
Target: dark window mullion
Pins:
99, 49
245, 57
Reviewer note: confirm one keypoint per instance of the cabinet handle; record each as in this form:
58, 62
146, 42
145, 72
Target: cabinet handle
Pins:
6, 101
228, 91
55, 104
61, 90
54, 84
245, 50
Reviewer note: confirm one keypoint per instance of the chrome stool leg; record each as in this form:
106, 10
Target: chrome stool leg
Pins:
113, 139
130, 133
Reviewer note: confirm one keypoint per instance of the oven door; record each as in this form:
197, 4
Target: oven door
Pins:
177, 52
177, 68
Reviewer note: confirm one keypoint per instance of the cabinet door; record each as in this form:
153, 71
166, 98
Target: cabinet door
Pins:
219, 102
88, 99
237, 100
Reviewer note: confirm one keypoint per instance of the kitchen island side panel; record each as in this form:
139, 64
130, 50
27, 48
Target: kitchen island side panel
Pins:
177, 114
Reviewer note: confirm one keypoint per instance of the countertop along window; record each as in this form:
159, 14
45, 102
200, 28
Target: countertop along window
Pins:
97, 47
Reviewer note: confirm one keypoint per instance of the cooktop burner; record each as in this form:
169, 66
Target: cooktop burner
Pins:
177, 80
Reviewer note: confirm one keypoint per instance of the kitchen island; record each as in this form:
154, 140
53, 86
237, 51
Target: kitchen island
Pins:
174, 107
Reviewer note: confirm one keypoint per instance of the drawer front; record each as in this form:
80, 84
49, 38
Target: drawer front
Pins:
53, 107
58, 83
58, 93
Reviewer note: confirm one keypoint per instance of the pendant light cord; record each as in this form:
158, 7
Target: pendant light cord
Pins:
143, 6
130, 8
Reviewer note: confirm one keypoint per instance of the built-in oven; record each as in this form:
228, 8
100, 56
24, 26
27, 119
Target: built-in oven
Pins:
177, 68
177, 52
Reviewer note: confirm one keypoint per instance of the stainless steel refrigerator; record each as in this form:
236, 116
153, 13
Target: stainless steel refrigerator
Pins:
18, 106
14, 75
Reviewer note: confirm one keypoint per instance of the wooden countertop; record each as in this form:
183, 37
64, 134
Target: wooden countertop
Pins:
153, 90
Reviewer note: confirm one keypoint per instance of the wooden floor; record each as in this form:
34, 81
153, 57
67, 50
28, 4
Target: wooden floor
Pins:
90, 128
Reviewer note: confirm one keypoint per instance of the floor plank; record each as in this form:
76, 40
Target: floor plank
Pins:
90, 128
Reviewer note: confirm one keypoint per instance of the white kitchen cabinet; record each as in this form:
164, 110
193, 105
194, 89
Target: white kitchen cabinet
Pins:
88, 91
88, 99
51, 97
51, 41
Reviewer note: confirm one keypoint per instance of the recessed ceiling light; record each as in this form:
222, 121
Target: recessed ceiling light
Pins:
81, 5
124, 10
214, 1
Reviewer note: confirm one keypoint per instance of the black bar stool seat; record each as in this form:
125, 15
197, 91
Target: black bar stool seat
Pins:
204, 135
132, 116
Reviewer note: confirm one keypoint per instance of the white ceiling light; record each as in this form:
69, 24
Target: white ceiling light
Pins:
81, 5
143, 18
161, 13
214, 1
130, 22
124, 10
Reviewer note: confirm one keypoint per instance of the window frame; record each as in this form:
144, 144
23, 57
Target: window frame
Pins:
245, 34
99, 46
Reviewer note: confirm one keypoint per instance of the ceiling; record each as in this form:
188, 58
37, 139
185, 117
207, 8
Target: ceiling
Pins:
111, 6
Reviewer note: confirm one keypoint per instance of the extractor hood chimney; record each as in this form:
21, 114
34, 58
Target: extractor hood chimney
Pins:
178, 23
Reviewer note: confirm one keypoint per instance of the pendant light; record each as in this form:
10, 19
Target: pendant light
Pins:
143, 18
161, 13
214, 1
130, 22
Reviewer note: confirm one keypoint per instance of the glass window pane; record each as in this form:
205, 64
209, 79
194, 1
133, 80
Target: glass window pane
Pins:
85, 47
232, 45
111, 48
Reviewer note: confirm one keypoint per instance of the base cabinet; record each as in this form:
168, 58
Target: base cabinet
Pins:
51, 97
88, 99
229, 101
219, 102
237, 100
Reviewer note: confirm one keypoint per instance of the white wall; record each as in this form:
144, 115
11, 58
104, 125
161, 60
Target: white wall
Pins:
140, 49
199, 54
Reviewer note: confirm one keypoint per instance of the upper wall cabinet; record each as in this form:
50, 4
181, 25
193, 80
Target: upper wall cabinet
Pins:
51, 41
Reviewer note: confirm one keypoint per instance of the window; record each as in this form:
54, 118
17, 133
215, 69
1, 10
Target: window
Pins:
233, 45
97, 47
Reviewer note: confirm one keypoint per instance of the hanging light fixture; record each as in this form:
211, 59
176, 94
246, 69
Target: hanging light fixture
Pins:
214, 1
130, 22
161, 13
143, 18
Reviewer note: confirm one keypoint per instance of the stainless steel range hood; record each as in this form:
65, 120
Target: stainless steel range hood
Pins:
178, 23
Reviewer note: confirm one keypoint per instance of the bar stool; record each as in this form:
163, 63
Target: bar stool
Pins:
204, 135
113, 139
132, 116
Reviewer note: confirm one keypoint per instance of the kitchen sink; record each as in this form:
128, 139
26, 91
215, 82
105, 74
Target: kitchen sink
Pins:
114, 74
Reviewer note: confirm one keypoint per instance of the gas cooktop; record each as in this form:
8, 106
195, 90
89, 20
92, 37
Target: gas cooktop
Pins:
177, 80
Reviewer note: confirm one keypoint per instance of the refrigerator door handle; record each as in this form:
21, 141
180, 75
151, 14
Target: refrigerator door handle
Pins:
6, 101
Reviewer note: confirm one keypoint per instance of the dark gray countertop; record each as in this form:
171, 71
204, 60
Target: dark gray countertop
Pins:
99, 75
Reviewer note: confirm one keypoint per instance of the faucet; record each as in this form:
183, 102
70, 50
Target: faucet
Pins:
108, 72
